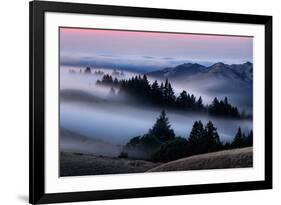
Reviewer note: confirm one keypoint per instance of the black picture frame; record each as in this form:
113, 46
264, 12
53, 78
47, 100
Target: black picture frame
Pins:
37, 10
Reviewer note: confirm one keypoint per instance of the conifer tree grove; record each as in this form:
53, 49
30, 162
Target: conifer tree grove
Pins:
162, 128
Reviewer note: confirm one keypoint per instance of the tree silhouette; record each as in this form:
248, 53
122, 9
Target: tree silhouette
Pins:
241, 140
250, 139
238, 140
87, 70
165, 91
172, 150
223, 108
182, 100
225, 101
213, 142
196, 137
106, 80
145, 86
139, 87
162, 128
203, 140
190, 101
160, 143
156, 94
171, 98
199, 104
162, 90
115, 82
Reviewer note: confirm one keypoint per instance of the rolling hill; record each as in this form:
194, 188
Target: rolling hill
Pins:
235, 158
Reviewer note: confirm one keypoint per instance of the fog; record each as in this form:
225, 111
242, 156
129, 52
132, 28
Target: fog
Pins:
117, 123
120, 123
73, 142
237, 95
240, 96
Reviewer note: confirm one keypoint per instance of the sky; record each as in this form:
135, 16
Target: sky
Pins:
150, 50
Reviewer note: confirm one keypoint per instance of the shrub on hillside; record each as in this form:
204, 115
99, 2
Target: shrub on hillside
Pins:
172, 150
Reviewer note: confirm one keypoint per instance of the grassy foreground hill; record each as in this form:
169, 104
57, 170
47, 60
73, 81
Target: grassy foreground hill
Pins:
235, 158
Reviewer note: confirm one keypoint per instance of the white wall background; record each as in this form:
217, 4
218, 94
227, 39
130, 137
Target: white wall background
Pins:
14, 100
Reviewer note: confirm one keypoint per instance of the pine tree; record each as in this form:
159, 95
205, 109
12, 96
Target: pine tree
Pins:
182, 100
88, 70
225, 101
212, 138
116, 82
189, 101
215, 102
171, 98
250, 139
199, 104
162, 90
165, 91
196, 138
203, 140
156, 94
162, 128
197, 132
192, 100
145, 84
107, 80
223, 108
155, 86
238, 139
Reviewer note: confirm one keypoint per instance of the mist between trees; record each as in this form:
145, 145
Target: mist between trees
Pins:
161, 144
162, 94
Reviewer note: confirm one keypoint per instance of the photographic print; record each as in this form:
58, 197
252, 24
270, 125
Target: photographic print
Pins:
139, 101
129, 102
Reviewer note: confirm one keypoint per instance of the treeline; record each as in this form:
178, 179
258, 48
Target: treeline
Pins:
161, 143
162, 94
89, 70
108, 80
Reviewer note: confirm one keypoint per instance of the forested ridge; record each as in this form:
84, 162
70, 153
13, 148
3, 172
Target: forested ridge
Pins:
162, 94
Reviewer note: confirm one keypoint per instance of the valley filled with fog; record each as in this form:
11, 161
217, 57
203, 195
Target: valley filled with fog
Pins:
93, 111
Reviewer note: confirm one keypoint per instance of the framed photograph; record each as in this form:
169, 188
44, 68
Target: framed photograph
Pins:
140, 102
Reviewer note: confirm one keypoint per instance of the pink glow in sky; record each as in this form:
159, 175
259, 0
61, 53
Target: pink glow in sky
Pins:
76, 42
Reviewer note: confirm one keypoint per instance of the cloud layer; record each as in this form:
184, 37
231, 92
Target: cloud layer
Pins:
150, 49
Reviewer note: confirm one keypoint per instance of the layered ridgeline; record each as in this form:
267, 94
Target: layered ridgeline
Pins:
163, 95
238, 72
161, 144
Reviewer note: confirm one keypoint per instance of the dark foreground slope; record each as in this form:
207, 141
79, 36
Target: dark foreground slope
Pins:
236, 158
75, 164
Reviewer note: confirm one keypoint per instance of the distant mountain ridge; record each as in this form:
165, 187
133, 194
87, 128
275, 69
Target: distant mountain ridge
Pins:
183, 69
241, 72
